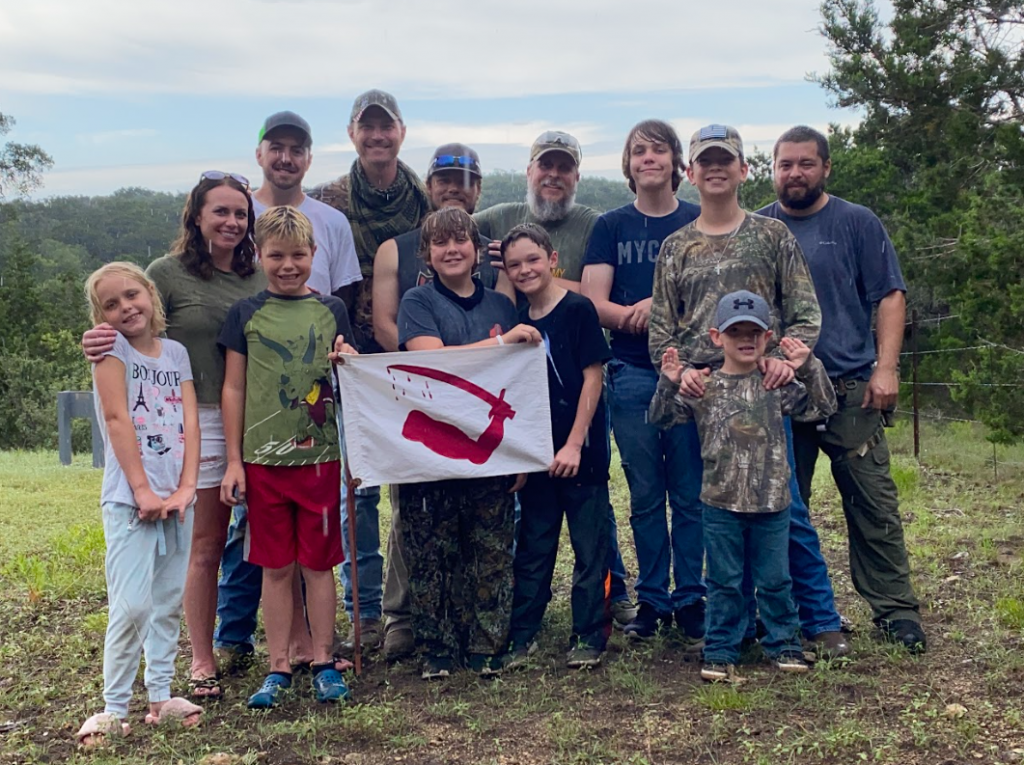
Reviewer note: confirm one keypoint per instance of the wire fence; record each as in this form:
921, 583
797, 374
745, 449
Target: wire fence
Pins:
917, 413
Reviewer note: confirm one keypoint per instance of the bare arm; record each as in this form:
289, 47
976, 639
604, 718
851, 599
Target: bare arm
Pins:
504, 286
567, 462
113, 393
385, 295
232, 405
521, 333
597, 285
186, 491
884, 387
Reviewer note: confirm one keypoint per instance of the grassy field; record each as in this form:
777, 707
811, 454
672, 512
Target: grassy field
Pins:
961, 702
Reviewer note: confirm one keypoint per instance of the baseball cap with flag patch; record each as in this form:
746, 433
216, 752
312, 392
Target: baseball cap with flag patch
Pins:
375, 97
722, 136
742, 306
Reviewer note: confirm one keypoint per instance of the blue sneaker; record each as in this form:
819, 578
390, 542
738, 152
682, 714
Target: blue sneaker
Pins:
266, 696
329, 685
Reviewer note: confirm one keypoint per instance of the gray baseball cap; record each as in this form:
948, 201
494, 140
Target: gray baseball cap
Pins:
742, 306
375, 97
285, 119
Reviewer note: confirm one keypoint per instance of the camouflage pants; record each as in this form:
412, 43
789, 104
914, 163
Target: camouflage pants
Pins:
458, 546
854, 441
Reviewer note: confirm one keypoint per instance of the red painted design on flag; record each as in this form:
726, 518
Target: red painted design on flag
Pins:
446, 439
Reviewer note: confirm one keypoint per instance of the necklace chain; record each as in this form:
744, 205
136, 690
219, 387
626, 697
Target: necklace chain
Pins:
719, 254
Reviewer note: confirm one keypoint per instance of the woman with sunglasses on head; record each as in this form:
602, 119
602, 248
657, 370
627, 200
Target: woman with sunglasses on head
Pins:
211, 266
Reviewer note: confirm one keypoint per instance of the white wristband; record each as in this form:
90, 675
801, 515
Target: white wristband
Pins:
501, 340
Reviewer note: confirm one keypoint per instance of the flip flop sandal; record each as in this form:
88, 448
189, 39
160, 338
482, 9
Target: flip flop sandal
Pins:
182, 710
99, 728
205, 688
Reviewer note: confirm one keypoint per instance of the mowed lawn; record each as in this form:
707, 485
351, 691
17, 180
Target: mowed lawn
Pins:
960, 703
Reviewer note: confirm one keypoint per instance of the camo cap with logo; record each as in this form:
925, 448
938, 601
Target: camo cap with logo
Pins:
742, 306
385, 101
722, 136
556, 140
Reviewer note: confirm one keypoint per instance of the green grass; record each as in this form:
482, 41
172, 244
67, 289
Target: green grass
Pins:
644, 706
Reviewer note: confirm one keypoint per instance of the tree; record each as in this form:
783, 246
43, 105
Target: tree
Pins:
21, 165
940, 156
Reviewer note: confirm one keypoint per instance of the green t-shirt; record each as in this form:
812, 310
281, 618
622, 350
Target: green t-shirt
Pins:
196, 309
289, 399
569, 236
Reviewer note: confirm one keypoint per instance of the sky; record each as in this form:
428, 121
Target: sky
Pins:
152, 93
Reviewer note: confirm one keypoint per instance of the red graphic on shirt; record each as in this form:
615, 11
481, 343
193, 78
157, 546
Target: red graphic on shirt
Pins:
446, 439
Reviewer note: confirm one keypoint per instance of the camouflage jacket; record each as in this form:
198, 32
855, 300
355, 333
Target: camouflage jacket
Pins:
694, 271
742, 437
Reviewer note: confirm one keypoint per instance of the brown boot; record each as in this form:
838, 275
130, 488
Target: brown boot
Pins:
398, 642
369, 636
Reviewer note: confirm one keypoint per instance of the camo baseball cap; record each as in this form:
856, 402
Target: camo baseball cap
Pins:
375, 97
285, 119
742, 306
722, 136
556, 140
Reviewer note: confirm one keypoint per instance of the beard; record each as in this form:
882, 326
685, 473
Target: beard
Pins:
801, 197
547, 210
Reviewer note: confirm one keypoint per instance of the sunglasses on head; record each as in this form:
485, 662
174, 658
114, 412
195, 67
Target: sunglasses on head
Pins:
450, 160
220, 175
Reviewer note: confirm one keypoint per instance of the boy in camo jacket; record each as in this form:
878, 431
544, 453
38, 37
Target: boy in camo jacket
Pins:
745, 488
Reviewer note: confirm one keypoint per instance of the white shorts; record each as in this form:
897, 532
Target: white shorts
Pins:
213, 455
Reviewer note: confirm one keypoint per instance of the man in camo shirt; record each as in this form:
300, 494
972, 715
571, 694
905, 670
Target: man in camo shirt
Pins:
728, 249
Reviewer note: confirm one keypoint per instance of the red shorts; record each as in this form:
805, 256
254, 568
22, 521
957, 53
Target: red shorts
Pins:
294, 515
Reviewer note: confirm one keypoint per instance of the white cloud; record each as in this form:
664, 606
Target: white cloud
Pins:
487, 48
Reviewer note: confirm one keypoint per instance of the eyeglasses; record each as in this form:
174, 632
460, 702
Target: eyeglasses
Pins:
220, 175
450, 160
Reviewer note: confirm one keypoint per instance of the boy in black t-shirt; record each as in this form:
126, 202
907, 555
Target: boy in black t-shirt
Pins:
576, 484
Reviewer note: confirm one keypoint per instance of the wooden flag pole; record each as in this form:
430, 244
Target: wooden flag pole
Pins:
350, 506
350, 511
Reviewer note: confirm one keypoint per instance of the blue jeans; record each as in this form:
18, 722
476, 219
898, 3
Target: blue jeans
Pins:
368, 555
238, 590
754, 542
656, 463
812, 588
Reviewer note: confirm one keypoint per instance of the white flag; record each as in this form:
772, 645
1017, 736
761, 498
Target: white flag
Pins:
451, 413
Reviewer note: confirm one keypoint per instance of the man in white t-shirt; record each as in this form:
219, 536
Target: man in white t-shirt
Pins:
284, 153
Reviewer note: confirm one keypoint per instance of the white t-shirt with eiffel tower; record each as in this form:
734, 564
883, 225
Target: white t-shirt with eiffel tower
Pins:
155, 407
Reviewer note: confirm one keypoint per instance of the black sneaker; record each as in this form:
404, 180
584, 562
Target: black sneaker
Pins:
648, 623
518, 656
905, 632
713, 672
792, 661
690, 619
583, 656
486, 665
437, 667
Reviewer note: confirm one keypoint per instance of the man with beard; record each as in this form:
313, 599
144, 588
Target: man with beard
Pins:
551, 179
855, 270
284, 152
382, 198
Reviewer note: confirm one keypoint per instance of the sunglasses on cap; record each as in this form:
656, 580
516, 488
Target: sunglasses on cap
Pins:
220, 175
450, 160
